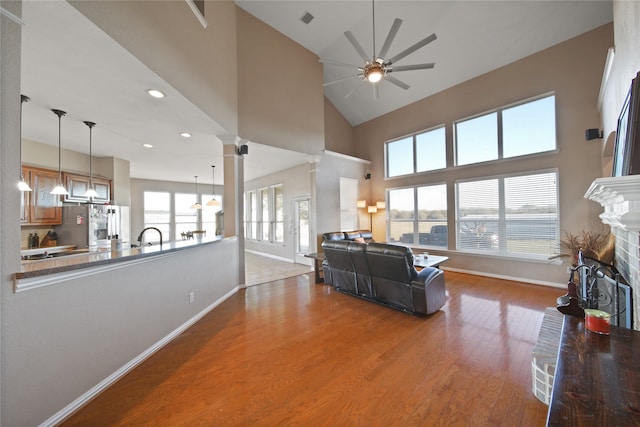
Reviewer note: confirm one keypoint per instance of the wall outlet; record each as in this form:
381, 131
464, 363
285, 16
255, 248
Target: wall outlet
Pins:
192, 297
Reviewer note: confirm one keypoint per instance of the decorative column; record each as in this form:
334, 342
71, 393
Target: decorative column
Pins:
233, 196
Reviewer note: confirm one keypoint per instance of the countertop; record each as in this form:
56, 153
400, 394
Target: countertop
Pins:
103, 256
597, 380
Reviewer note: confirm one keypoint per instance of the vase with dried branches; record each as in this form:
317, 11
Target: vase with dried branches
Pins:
598, 244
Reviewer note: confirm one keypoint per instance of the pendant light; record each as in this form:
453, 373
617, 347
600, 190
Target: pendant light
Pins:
196, 205
22, 184
91, 192
59, 189
213, 201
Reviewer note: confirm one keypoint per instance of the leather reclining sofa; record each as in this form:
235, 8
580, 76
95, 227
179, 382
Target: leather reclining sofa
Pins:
383, 274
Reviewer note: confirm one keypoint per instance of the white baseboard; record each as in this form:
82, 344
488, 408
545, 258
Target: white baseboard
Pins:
512, 278
264, 254
104, 384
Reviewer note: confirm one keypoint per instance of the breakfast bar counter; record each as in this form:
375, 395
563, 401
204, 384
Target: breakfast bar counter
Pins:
101, 257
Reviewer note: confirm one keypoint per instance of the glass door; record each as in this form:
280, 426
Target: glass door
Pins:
302, 230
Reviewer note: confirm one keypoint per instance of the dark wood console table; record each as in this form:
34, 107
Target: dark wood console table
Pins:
597, 378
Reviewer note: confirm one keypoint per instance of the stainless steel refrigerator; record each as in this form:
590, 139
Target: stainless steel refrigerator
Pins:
94, 226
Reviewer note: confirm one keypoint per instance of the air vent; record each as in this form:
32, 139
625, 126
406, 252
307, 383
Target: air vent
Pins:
307, 17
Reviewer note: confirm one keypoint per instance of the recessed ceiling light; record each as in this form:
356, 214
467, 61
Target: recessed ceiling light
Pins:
147, 145
155, 93
185, 134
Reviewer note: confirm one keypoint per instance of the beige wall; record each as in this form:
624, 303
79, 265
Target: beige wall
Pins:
280, 98
338, 132
573, 70
166, 36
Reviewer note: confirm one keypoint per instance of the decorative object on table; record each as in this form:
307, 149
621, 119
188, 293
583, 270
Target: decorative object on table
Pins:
597, 321
597, 244
571, 303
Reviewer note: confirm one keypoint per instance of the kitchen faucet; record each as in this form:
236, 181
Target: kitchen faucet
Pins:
149, 228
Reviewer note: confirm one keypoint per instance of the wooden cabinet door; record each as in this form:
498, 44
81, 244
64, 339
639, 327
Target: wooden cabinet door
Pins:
77, 186
103, 188
45, 207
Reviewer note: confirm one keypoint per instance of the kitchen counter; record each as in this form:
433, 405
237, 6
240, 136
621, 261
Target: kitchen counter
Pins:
99, 257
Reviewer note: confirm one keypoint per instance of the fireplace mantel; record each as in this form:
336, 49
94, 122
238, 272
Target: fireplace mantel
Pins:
620, 197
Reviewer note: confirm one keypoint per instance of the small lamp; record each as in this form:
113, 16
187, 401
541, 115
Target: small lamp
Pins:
22, 184
196, 205
213, 201
91, 192
371, 210
59, 188
361, 204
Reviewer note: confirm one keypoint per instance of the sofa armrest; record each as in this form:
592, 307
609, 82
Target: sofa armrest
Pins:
429, 290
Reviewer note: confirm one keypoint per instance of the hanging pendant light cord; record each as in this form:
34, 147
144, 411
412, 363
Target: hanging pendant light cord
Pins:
59, 113
91, 125
23, 99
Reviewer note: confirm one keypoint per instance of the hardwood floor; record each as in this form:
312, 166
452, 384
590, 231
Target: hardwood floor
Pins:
292, 353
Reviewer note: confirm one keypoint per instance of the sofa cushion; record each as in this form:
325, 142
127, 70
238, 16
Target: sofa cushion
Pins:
358, 255
335, 235
351, 235
392, 272
343, 274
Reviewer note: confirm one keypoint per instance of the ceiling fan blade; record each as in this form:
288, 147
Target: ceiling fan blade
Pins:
411, 67
411, 49
392, 35
341, 64
397, 82
375, 91
357, 46
352, 91
338, 81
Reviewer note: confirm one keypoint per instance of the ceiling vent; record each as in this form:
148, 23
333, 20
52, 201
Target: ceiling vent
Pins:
307, 17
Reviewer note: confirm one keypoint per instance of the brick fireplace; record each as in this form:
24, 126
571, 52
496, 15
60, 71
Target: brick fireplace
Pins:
620, 197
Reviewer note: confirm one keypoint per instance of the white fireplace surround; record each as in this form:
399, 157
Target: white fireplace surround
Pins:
620, 197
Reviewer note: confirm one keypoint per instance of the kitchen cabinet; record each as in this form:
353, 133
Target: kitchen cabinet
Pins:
77, 185
39, 207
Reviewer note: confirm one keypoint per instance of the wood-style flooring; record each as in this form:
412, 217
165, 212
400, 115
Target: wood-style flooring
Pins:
293, 353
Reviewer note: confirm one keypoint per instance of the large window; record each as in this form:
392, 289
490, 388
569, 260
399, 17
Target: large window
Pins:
157, 213
175, 218
264, 214
418, 215
421, 152
518, 130
186, 218
515, 215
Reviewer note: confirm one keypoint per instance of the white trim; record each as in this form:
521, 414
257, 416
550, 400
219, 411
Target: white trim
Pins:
15, 18
503, 277
279, 258
125, 369
605, 76
347, 157
26, 284
197, 12
620, 197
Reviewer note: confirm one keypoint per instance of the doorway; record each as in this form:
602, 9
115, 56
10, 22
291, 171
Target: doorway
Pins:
302, 229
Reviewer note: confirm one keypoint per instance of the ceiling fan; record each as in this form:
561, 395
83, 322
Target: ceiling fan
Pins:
376, 68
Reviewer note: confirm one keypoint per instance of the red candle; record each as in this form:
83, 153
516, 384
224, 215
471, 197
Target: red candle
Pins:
597, 321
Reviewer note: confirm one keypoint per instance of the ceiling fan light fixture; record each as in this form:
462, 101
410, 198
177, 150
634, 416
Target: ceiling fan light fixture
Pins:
374, 72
